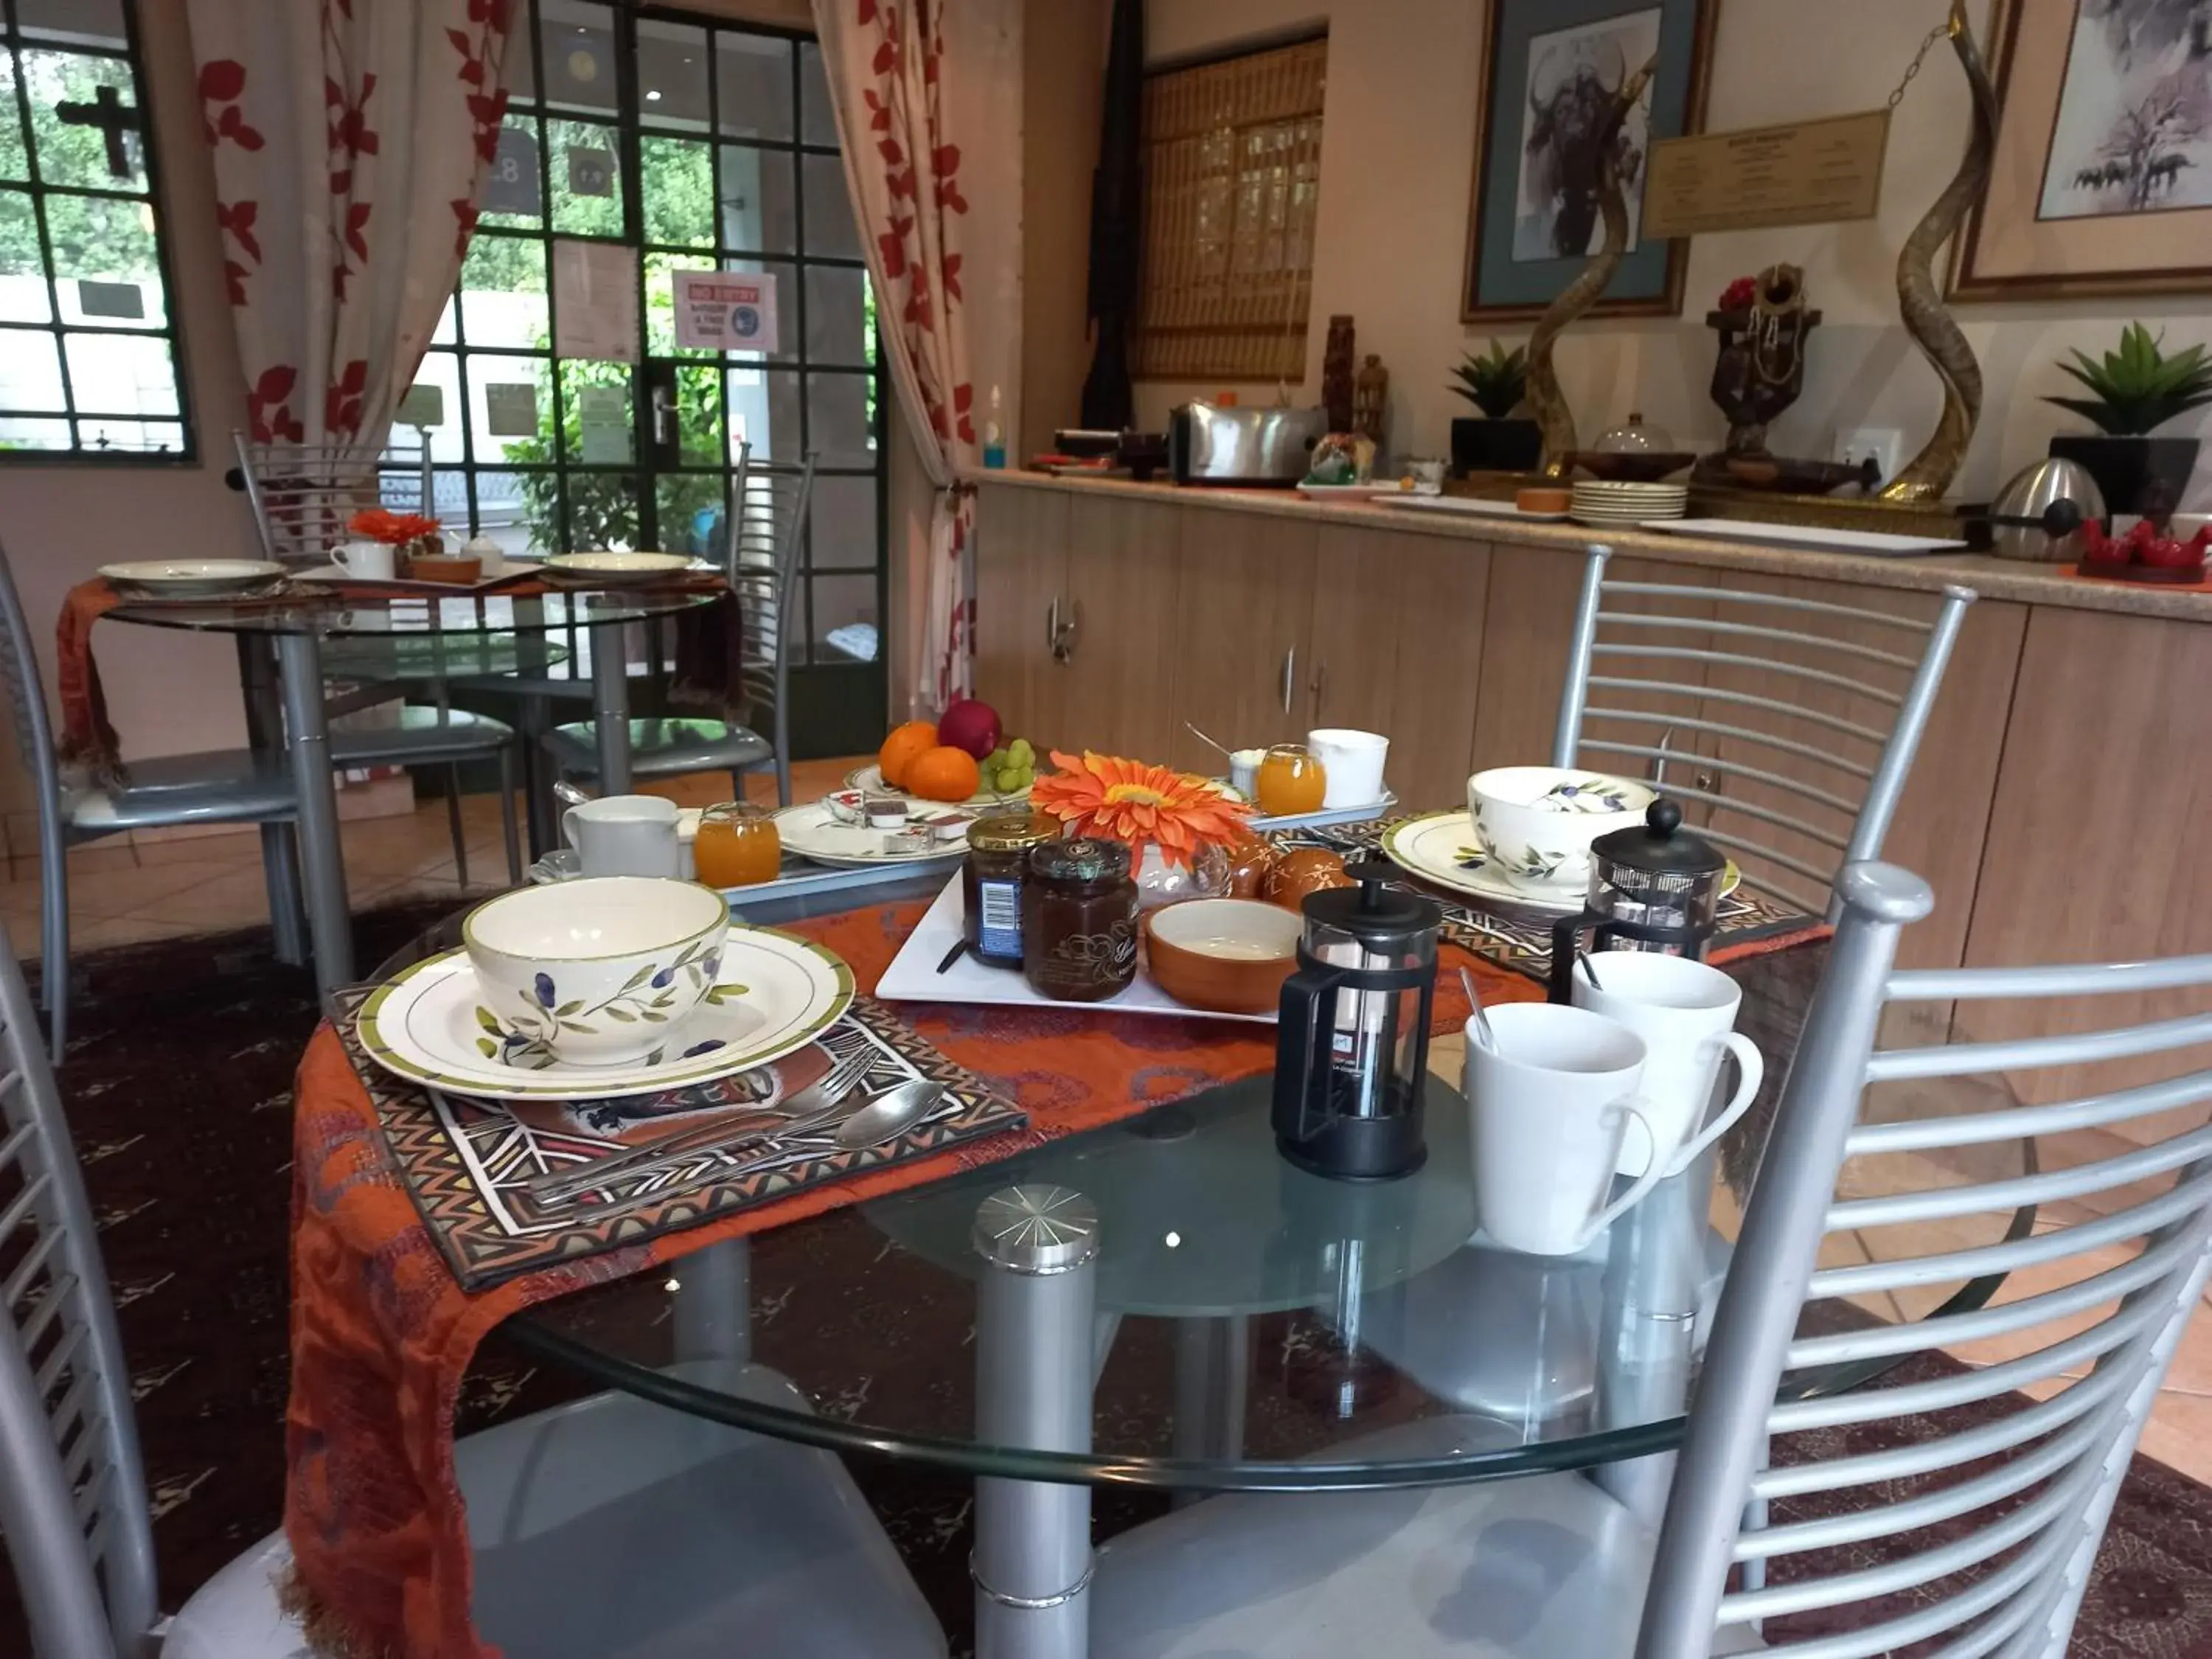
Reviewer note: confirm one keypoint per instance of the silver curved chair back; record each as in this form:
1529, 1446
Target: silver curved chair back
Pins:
1843, 716
1991, 1503
34, 745
764, 547
304, 495
73, 1506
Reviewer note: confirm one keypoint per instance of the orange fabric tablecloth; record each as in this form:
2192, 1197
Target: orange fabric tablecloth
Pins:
87, 737
381, 1332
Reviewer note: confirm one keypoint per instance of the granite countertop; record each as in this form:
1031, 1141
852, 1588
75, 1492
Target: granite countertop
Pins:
1991, 578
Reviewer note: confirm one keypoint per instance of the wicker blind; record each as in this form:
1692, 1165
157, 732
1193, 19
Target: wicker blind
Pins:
1232, 172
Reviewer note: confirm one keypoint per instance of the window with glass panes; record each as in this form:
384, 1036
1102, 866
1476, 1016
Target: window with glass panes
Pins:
690, 145
87, 344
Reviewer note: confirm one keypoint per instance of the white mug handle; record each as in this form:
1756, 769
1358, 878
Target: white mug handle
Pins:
1655, 1171
1750, 1072
569, 827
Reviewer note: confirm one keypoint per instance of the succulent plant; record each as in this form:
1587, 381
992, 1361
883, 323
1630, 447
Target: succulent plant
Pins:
1496, 382
2138, 388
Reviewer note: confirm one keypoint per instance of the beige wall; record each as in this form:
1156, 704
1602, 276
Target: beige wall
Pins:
1397, 155
167, 692
1064, 70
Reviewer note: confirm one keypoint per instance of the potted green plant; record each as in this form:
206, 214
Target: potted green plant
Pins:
1495, 383
2135, 391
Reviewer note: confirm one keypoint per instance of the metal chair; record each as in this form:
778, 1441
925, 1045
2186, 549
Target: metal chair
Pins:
2017, 1490
230, 786
764, 540
608, 1527
1857, 711
303, 496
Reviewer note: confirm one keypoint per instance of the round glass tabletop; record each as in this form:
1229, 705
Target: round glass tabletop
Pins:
1249, 1325
459, 614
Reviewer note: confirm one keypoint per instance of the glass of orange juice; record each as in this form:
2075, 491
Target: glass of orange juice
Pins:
1290, 780
737, 846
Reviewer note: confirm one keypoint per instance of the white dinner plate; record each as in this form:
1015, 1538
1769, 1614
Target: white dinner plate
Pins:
813, 833
1473, 506
1801, 535
871, 776
774, 993
193, 578
1441, 848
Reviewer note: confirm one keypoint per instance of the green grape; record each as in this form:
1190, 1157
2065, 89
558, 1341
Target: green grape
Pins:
1009, 779
997, 758
1020, 753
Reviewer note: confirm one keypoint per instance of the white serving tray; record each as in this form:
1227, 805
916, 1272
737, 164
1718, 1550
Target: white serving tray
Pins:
913, 975
337, 575
1799, 535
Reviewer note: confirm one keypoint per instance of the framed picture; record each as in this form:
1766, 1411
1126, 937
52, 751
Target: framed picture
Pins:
1550, 74
2102, 179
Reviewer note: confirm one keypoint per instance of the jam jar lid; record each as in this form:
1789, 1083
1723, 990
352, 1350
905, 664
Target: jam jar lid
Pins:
1082, 860
1011, 832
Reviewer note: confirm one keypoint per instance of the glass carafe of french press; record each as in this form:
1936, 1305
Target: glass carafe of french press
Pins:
1653, 888
1354, 1038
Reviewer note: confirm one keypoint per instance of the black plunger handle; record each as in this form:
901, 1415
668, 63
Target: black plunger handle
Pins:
1566, 943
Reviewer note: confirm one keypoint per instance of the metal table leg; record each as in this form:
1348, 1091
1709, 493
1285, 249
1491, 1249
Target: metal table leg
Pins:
1652, 1276
280, 867
1213, 1362
1036, 1341
330, 919
714, 1302
611, 708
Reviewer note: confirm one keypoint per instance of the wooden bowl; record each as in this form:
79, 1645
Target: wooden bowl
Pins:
1224, 955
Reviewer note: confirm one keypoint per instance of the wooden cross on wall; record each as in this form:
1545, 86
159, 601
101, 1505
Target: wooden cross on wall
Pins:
112, 117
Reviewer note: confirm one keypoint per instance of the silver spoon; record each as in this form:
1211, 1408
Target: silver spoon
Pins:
1590, 968
1223, 748
1474, 1002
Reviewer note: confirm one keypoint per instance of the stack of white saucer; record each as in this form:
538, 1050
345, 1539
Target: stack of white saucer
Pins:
1604, 500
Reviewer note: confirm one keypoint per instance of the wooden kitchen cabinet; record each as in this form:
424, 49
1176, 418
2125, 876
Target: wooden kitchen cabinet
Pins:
1242, 631
1397, 644
1021, 568
1112, 687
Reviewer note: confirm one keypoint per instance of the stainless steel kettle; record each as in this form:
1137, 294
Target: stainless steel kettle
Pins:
2038, 515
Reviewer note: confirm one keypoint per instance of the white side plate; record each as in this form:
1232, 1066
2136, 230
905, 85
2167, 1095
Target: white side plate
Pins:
1472, 505
1800, 535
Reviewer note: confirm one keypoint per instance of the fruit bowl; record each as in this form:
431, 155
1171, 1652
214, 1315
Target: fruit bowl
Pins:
871, 777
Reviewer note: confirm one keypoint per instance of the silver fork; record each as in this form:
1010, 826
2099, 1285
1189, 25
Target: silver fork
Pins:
817, 1100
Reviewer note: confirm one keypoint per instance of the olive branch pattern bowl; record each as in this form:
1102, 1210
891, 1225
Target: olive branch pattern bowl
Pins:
599, 971
1537, 822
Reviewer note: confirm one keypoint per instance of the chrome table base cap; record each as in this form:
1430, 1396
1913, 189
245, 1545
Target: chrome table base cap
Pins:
1037, 1230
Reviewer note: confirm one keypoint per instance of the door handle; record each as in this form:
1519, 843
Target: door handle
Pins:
1059, 636
1290, 677
664, 416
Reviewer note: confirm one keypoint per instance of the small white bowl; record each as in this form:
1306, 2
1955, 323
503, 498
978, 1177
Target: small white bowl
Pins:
1227, 955
601, 970
1537, 822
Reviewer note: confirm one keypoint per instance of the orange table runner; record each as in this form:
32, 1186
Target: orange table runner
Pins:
382, 1333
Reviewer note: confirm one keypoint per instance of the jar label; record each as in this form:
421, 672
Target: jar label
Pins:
999, 917
1088, 959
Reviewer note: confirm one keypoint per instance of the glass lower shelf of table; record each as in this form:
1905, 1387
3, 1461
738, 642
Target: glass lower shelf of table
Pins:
1255, 1327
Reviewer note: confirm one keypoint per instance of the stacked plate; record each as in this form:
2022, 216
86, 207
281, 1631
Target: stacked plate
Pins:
1618, 501
193, 578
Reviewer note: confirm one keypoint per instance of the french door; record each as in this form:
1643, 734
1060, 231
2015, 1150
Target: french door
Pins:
572, 409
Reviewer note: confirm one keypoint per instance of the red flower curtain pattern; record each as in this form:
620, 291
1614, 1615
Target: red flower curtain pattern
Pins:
349, 137
929, 111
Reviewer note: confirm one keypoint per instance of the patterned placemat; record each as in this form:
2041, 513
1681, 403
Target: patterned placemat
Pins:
468, 1163
1521, 938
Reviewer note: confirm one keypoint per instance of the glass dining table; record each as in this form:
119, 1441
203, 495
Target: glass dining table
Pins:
282, 668
1168, 1304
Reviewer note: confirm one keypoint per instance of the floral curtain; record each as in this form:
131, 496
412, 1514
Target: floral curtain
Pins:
929, 110
349, 137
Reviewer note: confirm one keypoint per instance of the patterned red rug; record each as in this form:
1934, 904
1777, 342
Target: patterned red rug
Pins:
178, 1086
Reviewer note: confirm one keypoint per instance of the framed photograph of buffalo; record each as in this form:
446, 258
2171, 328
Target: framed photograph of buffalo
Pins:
1550, 75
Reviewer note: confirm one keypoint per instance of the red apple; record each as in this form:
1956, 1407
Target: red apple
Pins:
970, 724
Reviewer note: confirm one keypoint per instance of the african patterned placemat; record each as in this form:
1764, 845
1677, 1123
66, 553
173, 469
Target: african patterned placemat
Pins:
467, 1163
1522, 938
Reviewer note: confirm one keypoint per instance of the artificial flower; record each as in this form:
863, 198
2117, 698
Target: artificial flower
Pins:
1739, 294
1144, 806
397, 528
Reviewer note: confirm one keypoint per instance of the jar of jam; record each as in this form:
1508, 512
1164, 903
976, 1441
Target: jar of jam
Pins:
1079, 921
737, 845
992, 880
1290, 781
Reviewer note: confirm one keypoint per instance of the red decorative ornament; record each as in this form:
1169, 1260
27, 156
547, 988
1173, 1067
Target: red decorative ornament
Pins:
1739, 294
2143, 555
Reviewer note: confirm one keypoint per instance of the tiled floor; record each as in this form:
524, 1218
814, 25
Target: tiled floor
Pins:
119, 894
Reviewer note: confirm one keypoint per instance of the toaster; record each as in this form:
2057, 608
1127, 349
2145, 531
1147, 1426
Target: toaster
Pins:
1208, 444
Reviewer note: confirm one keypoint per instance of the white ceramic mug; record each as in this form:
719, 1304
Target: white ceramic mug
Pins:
1686, 1013
1352, 766
374, 560
1550, 1109
623, 836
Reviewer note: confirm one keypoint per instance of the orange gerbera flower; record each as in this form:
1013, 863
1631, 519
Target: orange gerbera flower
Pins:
1143, 805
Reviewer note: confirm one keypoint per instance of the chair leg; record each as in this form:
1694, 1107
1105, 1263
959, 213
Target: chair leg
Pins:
508, 833
738, 784
53, 947
453, 822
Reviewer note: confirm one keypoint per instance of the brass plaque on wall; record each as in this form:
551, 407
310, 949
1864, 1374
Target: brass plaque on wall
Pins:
1807, 172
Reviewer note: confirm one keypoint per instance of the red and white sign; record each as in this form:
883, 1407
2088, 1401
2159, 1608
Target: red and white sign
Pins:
725, 310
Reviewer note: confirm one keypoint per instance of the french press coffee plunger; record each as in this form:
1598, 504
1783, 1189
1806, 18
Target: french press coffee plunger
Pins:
1354, 1037
1656, 887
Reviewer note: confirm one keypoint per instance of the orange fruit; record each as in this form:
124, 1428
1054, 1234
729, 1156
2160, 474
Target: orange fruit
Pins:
943, 774
900, 748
